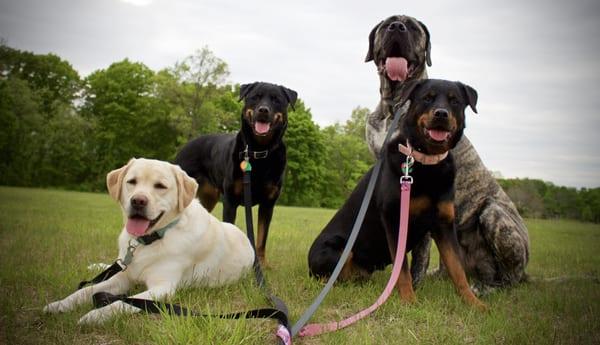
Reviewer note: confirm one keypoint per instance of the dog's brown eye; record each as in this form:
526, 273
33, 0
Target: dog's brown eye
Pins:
428, 99
160, 186
132, 181
453, 101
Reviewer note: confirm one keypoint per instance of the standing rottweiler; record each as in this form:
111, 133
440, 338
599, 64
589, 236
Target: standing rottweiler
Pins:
214, 160
430, 128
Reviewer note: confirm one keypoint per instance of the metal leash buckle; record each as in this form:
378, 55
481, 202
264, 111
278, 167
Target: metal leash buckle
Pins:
407, 166
129, 255
246, 155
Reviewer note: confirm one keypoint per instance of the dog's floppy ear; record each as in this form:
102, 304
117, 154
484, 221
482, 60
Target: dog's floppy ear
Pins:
372, 42
470, 95
186, 188
428, 44
245, 90
114, 180
291, 96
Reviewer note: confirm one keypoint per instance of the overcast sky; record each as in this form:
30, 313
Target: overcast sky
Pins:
535, 64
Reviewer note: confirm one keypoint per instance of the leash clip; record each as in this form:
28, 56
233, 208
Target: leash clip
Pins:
407, 166
129, 255
245, 164
246, 155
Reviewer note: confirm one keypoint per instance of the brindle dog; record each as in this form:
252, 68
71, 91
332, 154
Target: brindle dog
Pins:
432, 126
492, 234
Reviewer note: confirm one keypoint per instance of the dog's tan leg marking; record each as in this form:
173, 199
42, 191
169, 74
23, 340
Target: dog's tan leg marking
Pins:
209, 196
446, 211
457, 273
351, 271
404, 284
418, 205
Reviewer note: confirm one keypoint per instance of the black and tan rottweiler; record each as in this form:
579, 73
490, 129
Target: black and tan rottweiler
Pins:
214, 160
432, 126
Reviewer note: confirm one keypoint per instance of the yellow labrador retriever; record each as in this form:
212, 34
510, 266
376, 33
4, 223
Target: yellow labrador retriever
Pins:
195, 249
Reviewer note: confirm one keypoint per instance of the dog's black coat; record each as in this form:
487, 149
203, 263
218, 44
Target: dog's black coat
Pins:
432, 191
214, 160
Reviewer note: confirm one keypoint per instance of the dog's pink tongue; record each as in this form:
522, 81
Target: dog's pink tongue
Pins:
137, 226
262, 127
396, 68
438, 135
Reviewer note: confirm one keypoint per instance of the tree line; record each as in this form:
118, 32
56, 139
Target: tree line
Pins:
540, 199
60, 130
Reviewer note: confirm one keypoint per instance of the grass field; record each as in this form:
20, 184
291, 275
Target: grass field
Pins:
48, 238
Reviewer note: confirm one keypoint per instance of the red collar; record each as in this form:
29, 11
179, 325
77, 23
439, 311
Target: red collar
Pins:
421, 157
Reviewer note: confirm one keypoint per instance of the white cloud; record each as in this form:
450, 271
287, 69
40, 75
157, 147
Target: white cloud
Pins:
138, 2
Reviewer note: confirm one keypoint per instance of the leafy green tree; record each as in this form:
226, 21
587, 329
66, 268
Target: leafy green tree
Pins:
192, 89
347, 158
305, 155
130, 120
68, 148
53, 79
21, 126
356, 125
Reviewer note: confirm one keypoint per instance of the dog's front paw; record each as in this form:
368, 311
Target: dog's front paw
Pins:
481, 290
96, 316
56, 307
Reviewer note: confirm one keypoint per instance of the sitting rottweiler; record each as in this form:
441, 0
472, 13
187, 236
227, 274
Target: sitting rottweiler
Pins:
214, 160
432, 126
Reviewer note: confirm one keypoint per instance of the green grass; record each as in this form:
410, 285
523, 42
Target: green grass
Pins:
47, 238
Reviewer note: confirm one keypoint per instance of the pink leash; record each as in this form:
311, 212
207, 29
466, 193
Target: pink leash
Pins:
320, 328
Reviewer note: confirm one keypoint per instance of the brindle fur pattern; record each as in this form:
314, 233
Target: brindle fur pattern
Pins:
415, 46
492, 235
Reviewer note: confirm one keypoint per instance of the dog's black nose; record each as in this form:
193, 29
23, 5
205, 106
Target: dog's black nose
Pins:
397, 26
139, 201
263, 110
441, 113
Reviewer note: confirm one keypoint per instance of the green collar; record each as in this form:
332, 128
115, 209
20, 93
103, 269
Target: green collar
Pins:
156, 235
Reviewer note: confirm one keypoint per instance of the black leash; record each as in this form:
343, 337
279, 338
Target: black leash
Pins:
283, 332
102, 299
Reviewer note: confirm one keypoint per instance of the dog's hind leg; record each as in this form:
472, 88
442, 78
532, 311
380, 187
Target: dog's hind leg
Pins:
506, 235
207, 193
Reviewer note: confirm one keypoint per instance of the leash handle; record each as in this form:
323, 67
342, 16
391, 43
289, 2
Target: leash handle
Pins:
320, 328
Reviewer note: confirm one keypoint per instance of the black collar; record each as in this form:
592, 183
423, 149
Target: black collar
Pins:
257, 154
254, 154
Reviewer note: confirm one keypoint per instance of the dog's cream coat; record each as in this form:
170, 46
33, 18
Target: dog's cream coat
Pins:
198, 250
